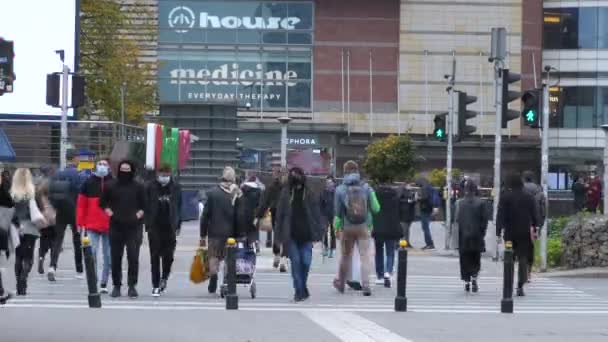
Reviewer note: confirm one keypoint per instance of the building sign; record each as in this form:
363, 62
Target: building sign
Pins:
308, 140
233, 21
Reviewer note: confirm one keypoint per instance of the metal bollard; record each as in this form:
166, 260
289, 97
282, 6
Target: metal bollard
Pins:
506, 305
91, 272
401, 299
232, 299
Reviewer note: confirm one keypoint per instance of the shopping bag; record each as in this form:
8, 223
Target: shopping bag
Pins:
265, 223
198, 271
36, 215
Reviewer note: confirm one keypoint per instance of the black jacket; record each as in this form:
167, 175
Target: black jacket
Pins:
125, 199
407, 205
386, 222
246, 208
472, 219
219, 219
153, 190
327, 203
284, 213
516, 215
270, 198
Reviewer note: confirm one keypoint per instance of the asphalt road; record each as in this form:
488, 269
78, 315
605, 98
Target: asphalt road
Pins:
556, 309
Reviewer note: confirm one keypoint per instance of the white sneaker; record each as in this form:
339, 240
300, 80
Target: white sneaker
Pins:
379, 281
156, 292
103, 290
388, 276
51, 274
283, 265
80, 276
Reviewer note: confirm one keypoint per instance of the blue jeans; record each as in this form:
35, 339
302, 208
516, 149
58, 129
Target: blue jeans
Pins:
104, 239
381, 266
300, 254
425, 221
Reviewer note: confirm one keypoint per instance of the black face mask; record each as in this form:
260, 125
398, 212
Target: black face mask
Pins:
125, 176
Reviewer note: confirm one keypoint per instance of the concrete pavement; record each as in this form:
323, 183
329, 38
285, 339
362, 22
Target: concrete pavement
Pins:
555, 309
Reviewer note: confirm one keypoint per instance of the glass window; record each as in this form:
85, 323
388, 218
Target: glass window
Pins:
602, 117
586, 107
602, 28
579, 107
569, 28
552, 33
587, 28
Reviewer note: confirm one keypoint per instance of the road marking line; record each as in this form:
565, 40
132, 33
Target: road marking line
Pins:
353, 328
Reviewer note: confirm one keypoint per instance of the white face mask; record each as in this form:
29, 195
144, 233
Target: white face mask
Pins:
164, 180
101, 170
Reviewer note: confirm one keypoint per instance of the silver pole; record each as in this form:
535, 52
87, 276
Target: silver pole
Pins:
450, 127
481, 98
426, 93
348, 88
498, 141
398, 93
342, 84
545, 174
262, 89
371, 96
284, 122
63, 146
605, 185
286, 87
122, 111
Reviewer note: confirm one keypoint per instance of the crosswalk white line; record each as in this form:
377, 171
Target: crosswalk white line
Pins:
351, 327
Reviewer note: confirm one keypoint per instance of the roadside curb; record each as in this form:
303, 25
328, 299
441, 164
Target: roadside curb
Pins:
592, 272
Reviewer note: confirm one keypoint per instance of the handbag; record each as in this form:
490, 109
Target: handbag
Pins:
36, 216
198, 270
265, 223
6, 217
49, 213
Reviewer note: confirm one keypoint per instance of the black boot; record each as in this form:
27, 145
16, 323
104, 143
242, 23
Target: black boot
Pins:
41, 265
520, 291
467, 287
212, 284
21, 288
475, 288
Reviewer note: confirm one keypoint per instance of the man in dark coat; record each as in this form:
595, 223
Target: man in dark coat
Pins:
298, 227
269, 202
327, 217
578, 190
124, 201
386, 232
252, 195
407, 211
163, 223
471, 215
517, 216
218, 222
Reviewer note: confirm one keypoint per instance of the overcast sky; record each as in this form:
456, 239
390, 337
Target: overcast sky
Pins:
38, 28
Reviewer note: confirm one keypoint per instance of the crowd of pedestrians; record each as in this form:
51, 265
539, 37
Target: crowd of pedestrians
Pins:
114, 211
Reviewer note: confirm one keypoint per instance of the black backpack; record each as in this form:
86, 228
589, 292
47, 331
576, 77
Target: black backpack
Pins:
61, 194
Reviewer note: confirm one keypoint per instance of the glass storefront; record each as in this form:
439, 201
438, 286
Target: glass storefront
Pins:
255, 54
575, 28
578, 107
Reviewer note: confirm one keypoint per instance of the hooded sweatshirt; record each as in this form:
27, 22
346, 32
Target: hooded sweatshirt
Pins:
124, 196
353, 179
89, 214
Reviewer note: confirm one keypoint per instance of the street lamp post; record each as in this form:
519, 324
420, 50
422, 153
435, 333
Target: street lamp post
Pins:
284, 120
605, 182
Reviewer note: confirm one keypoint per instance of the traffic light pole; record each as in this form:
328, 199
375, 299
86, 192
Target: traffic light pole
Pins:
545, 174
64, 117
497, 144
450, 132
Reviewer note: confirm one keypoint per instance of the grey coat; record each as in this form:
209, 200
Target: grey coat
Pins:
284, 212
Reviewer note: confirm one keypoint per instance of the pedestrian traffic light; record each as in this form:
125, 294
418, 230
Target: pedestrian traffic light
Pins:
440, 132
7, 72
78, 95
52, 89
532, 107
509, 96
464, 114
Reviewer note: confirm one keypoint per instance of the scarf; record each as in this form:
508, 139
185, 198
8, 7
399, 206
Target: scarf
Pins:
232, 189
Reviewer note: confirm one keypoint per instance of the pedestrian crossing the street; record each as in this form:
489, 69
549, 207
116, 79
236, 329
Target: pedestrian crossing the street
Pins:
426, 293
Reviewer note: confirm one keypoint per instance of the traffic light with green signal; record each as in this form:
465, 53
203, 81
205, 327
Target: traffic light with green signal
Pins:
532, 108
440, 132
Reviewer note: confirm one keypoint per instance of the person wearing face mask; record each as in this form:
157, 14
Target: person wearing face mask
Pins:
298, 227
163, 223
124, 202
92, 219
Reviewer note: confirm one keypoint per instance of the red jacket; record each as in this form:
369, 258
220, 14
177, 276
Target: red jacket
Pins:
89, 214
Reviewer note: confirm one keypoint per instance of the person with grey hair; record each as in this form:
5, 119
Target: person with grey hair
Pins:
472, 225
218, 222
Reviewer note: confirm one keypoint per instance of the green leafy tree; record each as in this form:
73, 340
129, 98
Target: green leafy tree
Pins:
112, 38
437, 177
390, 159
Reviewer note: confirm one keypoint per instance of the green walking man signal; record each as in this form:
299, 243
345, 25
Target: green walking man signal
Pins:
532, 107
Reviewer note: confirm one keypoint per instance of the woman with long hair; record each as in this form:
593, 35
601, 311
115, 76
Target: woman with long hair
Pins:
6, 210
48, 234
22, 193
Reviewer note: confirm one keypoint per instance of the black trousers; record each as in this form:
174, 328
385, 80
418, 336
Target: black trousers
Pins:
47, 239
521, 250
162, 250
277, 249
60, 229
129, 236
470, 264
24, 259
